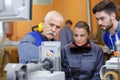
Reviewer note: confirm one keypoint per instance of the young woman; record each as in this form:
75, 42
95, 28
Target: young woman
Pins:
82, 59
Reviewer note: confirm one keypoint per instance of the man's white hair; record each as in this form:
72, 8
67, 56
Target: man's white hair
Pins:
49, 15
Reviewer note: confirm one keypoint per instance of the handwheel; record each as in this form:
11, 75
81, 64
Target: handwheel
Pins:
111, 75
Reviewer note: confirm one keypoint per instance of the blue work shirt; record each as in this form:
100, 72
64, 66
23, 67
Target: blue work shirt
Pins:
110, 39
28, 48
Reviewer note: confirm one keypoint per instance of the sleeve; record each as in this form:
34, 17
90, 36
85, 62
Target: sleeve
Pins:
27, 50
63, 68
99, 64
64, 65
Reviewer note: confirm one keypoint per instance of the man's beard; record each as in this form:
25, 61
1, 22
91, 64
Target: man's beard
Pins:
109, 26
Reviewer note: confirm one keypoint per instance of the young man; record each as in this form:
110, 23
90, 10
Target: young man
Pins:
29, 46
105, 12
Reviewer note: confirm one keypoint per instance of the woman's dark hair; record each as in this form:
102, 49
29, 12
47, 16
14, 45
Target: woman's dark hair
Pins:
106, 5
82, 24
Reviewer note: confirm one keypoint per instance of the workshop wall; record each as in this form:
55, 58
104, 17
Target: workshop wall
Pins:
71, 9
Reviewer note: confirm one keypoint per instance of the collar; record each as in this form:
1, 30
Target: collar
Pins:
80, 49
116, 30
118, 27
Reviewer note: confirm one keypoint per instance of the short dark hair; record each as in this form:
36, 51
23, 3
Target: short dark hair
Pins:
106, 5
82, 24
68, 22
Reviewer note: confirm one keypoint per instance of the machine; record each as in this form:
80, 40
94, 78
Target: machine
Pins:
48, 67
111, 70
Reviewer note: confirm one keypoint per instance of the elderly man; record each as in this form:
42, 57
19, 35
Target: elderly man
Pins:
29, 46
